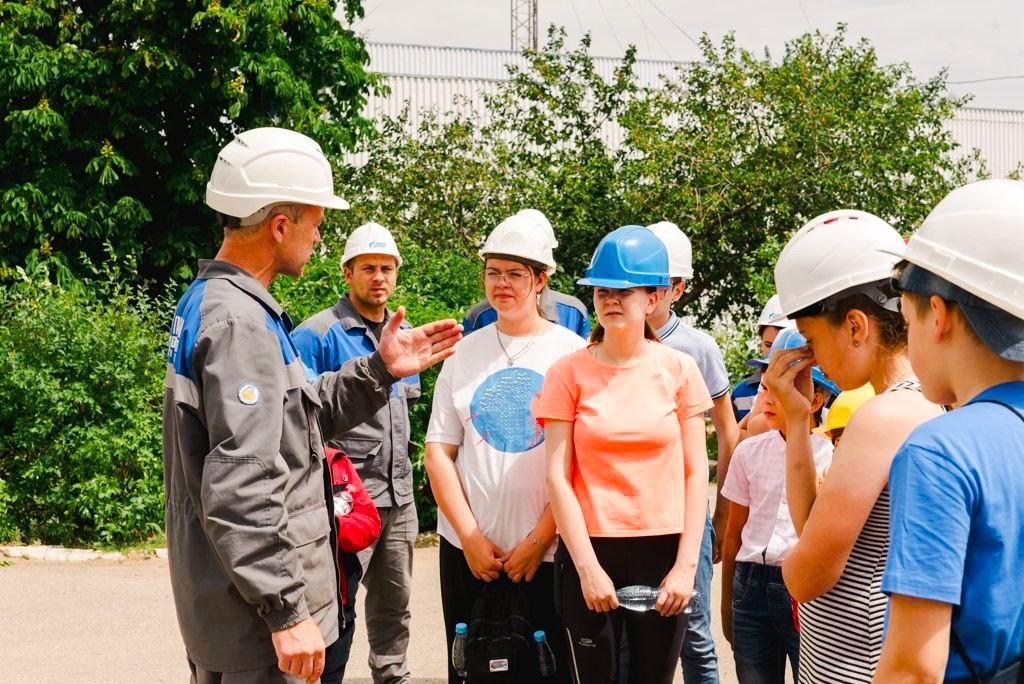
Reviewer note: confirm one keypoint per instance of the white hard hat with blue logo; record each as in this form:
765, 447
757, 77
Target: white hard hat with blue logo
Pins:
370, 238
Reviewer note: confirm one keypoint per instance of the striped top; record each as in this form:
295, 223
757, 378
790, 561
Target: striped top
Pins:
841, 630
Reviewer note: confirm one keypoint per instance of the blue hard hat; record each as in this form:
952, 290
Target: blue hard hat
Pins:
630, 256
791, 339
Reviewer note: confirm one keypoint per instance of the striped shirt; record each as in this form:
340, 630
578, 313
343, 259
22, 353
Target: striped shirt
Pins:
841, 630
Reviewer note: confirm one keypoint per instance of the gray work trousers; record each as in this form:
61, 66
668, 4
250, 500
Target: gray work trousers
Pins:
267, 675
387, 577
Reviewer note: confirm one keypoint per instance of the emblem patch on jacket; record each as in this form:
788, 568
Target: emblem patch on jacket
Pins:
248, 393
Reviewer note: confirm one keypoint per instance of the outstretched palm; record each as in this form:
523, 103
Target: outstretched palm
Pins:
409, 351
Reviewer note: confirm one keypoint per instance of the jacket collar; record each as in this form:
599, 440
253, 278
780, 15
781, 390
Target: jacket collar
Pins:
548, 305
222, 270
350, 318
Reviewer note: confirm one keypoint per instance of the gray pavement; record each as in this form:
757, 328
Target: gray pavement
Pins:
113, 621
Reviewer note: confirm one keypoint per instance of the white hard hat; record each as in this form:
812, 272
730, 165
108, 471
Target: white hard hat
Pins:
538, 217
267, 166
771, 315
838, 253
521, 237
370, 238
680, 253
973, 238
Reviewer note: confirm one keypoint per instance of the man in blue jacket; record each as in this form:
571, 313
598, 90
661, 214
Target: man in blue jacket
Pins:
379, 447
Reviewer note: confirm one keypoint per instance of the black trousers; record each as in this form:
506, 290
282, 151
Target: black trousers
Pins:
460, 590
594, 638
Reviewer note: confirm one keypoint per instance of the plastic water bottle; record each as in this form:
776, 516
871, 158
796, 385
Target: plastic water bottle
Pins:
638, 597
691, 606
641, 597
459, 650
545, 658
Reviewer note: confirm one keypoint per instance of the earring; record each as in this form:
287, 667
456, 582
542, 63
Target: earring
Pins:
856, 343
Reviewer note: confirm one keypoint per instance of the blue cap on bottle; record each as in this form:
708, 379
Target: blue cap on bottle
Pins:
539, 636
461, 628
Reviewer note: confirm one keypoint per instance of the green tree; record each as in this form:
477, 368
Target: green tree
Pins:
738, 149
742, 150
114, 112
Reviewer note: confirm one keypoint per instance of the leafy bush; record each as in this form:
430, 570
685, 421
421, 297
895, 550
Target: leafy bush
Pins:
81, 373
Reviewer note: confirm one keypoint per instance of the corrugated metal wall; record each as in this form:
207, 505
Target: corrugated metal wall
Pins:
453, 79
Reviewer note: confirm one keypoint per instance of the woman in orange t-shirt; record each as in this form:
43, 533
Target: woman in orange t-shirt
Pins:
627, 470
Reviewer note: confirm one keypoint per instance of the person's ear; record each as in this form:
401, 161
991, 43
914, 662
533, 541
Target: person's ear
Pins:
942, 318
542, 281
278, 227
678, 289
857, 324
817, 400
652, 301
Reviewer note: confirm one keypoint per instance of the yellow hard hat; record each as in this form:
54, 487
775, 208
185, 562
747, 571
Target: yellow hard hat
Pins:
843, 407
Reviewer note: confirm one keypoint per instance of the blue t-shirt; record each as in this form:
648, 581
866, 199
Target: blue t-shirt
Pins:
957, 525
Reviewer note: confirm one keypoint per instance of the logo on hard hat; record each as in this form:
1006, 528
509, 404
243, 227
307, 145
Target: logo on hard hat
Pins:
377, 243
248, 394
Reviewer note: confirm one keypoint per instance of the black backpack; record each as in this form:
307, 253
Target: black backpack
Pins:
499, 642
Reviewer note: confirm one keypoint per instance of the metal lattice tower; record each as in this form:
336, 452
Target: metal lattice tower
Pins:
524, 24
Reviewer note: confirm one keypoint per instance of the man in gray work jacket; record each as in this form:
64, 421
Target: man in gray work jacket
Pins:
248, 515
379, 447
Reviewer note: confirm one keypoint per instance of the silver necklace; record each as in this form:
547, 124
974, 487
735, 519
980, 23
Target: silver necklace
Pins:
511, 358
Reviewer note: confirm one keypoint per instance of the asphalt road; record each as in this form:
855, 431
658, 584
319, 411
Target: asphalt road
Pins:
113, 621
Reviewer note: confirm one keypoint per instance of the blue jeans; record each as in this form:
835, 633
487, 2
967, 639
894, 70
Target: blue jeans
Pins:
763, 632
700, 663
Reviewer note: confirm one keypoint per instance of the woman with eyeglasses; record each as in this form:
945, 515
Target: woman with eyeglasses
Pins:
833, 280
485, 452
627, 471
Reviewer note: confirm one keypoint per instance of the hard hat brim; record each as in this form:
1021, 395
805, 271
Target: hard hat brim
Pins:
610, 283
335, 202
893, 252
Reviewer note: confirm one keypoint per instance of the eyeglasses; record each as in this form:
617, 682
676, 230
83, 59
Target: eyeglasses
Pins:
514, 278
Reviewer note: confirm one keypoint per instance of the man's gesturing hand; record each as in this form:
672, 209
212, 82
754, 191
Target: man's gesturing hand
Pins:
300, 650
406, 352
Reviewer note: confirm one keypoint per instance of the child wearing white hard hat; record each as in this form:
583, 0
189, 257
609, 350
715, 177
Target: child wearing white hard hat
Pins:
956, 562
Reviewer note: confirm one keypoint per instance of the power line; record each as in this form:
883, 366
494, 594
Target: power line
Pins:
376, 7
647, 30
804, 12
580, 23
673, 22
610, 28
986, 80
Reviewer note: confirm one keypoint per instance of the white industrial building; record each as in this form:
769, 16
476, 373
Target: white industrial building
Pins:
430, 77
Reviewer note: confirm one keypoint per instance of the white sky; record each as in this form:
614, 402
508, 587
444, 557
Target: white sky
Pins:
975, 39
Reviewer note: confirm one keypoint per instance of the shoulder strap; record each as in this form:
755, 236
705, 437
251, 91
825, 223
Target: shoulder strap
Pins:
962, 652
1009, 408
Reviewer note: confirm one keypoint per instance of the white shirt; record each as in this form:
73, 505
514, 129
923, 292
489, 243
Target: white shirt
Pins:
482, 405
757, 480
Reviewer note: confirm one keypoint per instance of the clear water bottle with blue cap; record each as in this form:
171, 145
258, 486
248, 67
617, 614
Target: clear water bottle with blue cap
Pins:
459, 650
545, 657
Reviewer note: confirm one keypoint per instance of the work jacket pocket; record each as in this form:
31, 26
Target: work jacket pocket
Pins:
309, 530
366, 457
